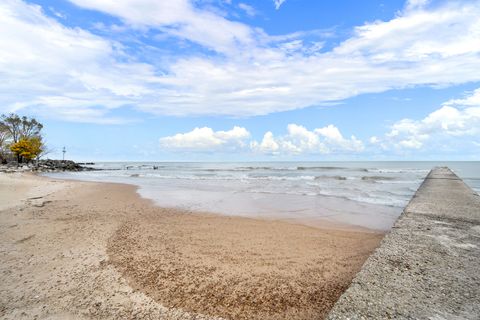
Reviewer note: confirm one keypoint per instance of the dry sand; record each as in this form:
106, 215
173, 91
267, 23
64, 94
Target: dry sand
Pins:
80, 250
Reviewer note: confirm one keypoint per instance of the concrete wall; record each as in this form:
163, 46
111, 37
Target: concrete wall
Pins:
428, 266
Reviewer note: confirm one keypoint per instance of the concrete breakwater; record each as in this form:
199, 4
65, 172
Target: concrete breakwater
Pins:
428, 266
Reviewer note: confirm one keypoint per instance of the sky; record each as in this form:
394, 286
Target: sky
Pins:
228, 80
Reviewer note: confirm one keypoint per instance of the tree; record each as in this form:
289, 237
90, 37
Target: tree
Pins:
27, 148
4, 136
20, 127
11, 124
26, 132
30, 128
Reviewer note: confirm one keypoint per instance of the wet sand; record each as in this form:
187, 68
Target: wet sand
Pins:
99, 251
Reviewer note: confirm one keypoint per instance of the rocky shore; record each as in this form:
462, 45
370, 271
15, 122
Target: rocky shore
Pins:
47, 165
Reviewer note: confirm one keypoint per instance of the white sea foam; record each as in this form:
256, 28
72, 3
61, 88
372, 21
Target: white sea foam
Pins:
371, 194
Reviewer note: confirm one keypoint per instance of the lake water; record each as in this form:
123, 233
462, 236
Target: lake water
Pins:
366, 194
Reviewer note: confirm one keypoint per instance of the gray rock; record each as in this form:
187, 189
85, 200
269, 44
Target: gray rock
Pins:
47, 165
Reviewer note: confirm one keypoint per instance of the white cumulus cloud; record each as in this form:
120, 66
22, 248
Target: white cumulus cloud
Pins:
300, 140
446, 127
267, 145
205, 139
297, 141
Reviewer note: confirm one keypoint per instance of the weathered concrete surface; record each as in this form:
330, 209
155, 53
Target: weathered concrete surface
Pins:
428, 266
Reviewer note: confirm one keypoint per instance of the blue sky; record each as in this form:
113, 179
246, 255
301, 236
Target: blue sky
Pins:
217, 80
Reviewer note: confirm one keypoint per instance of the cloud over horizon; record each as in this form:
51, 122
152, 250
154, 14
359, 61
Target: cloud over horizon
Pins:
300, 140
443, 129
205, 139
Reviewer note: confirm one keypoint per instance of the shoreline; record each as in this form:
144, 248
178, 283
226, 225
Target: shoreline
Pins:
99, 250
321, 222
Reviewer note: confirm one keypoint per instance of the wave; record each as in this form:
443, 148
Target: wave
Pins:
320, 168
331, 177
326, 168
242, 169
219, 177
391, 200
403, 170
236, 169
261, 168
377, 178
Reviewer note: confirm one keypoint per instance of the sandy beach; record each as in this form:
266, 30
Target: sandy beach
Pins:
83, 250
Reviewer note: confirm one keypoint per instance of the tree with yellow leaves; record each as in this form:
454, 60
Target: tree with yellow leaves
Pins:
22, 135
27, 148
